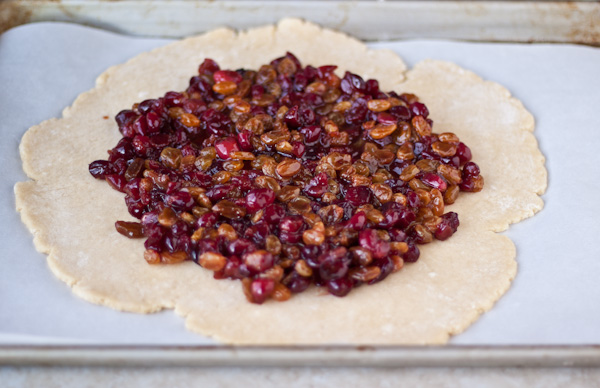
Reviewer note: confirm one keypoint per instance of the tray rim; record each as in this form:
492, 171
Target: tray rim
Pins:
533, 356
549, 21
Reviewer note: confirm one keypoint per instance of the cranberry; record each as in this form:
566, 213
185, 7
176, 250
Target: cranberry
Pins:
257, 233
298, 149
311, 134
340, 287
291, 224
435, 181
292, 117
358, 195
209, 66
358, 221
333, 264
443, 231
225, 147
242, 182
397, 235
142, 145
419, 109
207, 220
368, 239
153, 123
261, 289
352, 83
451, 218
125, 119
240, 246
400, 113
258, 261
274, 214
245, 140
470, 170
173, 99
392, 218
372, 87
464, 153
290, 237
117, 182
317, 186
132, 188
296, 283
357, 112
386, 118
194, 106
235, 269
227, 76
300, 82
413, 199
218, 192
412, 254
134, 207
307, 115
333, 269
181, 200
100, 168
258, 199
156, 236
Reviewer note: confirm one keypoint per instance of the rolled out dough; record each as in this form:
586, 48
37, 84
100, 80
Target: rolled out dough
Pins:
72, 215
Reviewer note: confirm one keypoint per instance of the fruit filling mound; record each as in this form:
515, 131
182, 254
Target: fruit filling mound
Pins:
286, 176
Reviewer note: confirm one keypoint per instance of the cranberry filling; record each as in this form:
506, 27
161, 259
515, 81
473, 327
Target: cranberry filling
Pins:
285, 177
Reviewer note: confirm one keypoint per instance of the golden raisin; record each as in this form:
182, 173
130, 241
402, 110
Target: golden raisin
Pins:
444, 150
288, 168
225, 87
409, 172
281, 293
173, 258
313, 237
303, 268
421, 126
228, 232
448, 137
189, 120
151, 256
382, 130
212, 261
378, 105
365, 274
167, 217
171, 157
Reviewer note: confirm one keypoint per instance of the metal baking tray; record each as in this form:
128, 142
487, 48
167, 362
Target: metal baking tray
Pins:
564, 22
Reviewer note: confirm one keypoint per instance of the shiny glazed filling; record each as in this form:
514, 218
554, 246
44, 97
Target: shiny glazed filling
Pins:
285, 177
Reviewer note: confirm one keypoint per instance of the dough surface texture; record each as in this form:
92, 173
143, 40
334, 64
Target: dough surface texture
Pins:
72, 215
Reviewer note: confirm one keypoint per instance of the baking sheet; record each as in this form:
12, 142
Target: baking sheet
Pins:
554, 298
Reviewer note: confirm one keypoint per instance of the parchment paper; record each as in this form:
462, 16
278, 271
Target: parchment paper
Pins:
554, 298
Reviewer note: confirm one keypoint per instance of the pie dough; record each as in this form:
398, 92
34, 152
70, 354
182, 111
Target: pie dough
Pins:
72, 215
